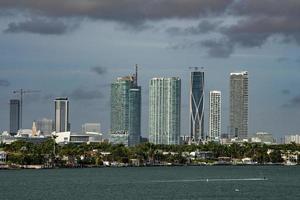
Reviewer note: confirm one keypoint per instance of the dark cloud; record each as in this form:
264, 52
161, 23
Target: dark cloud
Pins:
205, 26
294, 102
82, 94
40, 26
128, 11
218, 48
99, 70
4, 83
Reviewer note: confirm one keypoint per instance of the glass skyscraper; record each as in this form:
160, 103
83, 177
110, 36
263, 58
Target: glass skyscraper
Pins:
126, 108
164, 110
239, 105
214, 115
197, 106
62, 123
14, 121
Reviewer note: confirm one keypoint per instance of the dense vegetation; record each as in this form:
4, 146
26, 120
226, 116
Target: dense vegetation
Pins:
25, 153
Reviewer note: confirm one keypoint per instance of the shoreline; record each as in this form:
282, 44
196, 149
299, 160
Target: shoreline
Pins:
41, 167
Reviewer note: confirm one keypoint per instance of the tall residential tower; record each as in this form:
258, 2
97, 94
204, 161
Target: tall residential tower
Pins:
14, 117
62, 123
214, 129
126, 109
239, 105
197, 106
164, 110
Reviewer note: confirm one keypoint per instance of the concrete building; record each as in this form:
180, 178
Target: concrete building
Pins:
91, 128
239, 105
164, 110
197, 106
126, 108
62, 123
263, 137
15, 116
76, 138
45, 126
214, 115
288, 139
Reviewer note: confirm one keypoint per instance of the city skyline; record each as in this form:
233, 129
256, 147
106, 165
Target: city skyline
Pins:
78, 49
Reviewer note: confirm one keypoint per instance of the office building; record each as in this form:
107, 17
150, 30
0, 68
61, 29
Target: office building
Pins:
45, 126
14, 121
239, 105
126, 108
62, 123
164, 110
214, 129
197, 106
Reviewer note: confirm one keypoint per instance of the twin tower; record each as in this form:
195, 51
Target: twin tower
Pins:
165, 110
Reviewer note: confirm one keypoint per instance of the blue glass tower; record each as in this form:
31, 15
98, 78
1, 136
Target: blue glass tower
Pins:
197, 106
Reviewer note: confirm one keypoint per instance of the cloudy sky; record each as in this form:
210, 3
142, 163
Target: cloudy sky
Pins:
76, 48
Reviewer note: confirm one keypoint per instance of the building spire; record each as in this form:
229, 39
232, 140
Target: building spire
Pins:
136, 75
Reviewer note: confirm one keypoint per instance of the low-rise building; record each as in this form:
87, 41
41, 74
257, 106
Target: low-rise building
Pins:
292, 139
263, 137
69, 137
119, 138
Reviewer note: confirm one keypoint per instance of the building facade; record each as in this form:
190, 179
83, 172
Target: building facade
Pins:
45, 126
126, 109
164, 110
62, 123
214, 129
134, 116
197, 106
239, 105
14, 117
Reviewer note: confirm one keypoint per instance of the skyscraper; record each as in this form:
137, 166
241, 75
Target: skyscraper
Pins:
14, 121
214, 114
197, 106
164, 110
62, 123
239, 105
126, 108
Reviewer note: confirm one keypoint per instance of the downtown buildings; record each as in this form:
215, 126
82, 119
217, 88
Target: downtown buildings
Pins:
214, 130
126, 111
239, 105
164, 110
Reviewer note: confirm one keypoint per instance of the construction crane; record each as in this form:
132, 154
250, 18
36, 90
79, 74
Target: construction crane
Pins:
22, 92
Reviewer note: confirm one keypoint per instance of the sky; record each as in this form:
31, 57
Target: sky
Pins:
76, 48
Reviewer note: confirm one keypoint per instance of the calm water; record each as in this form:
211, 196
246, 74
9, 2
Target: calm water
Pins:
224, 182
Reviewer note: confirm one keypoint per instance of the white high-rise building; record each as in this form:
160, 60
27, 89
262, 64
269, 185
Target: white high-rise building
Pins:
62, 123
164, 110
239, 105
214, 114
